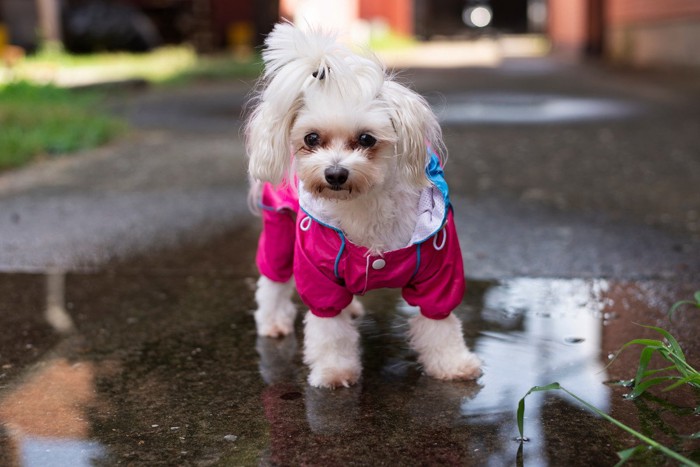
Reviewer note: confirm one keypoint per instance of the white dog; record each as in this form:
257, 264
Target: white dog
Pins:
346, 166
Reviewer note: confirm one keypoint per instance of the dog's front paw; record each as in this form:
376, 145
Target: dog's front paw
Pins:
333, 377
463, 366
331, 349
276, 323
441, 348
276, 311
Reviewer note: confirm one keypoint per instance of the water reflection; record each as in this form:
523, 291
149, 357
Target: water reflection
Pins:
56, 314
522, 108
527, 331
45, 416
41, 452
45, 413
166, 368
536, 332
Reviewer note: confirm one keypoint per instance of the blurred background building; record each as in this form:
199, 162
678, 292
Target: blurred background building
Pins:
639, 32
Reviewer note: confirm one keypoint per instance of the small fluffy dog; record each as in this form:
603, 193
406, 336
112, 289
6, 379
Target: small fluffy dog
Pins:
347, 172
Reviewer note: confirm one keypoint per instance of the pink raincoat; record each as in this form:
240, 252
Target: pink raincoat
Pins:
329, 269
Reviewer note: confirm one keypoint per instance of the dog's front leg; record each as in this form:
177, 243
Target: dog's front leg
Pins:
441, 348
276, 311
332, 350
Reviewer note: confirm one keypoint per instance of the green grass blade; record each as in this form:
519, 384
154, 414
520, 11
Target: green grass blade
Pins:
521, 404
672, 342
627, 454
680, 363
654, 444
696, 303
646, 384
694, 380
679, 304
660, 370
644, 359
655, 344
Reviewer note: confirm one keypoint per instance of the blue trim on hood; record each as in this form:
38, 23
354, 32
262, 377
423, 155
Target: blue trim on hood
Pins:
436, 175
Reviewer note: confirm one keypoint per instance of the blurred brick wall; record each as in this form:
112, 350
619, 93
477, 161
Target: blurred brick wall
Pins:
566, 26
628, 11
658, 33
397, 13
341, 15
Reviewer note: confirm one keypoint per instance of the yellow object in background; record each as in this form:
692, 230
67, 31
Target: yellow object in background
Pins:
4, 37
239, 38
10, 55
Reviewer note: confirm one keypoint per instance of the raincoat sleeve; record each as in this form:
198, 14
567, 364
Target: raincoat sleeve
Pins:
275, 255
438, 286
314, 259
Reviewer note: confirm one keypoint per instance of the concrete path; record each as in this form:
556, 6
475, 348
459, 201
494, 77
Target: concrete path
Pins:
556, 170
179, 176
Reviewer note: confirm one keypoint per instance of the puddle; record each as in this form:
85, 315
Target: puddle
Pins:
529, 108
157, 361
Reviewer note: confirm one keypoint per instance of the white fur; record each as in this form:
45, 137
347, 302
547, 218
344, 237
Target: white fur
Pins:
376, 206
332, 350
276, 312
441, 348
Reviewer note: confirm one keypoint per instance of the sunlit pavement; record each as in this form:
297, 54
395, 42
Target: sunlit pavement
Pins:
127, 294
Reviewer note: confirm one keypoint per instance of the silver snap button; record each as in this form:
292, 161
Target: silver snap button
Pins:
378, 263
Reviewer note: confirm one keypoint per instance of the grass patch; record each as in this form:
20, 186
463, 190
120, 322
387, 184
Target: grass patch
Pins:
175, 64
218, 68
44, 120
387, 41
678, 373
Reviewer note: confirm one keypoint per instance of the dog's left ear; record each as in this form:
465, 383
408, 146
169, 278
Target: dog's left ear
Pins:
267, 140
417, 129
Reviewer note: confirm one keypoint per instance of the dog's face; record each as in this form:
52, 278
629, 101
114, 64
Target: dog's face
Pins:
348, 127
343, 146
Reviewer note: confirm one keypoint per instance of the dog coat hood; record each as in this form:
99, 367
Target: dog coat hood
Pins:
329, 269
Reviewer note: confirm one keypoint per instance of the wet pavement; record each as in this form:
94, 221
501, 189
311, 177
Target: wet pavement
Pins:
156, 361
127, 288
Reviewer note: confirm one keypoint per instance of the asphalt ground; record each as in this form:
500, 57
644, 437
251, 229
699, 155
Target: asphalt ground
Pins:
556, 170
127, 285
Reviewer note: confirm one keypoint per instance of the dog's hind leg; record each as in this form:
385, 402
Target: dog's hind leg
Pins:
332, 350
276, 311
441, 348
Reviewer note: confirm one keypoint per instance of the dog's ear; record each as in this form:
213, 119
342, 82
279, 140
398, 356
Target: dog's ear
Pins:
267, 141
417, 129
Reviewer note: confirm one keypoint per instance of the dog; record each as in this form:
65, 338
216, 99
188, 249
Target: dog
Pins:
346, 170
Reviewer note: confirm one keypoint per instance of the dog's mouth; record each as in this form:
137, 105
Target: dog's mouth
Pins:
337, 192
334, 191
340, 188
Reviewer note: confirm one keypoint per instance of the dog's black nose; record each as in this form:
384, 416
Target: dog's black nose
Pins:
336, 176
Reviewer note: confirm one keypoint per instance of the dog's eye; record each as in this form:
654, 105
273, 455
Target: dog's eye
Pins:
366, 140
312, 140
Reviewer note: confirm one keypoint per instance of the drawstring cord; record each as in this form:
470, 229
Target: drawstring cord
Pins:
444, 240
366, 273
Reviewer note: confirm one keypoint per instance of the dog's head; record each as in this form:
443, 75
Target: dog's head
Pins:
335, 119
